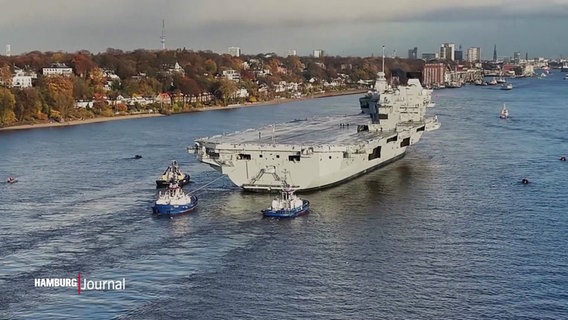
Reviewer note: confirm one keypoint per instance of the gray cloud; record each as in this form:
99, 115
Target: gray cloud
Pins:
339, 27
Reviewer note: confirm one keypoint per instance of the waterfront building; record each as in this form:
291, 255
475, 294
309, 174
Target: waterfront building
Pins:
434, 74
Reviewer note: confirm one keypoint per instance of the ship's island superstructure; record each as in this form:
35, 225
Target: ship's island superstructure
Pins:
321, 152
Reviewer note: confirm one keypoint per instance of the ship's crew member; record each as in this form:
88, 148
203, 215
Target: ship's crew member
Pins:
525, 181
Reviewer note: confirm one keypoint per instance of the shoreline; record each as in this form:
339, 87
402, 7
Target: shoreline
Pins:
203, 109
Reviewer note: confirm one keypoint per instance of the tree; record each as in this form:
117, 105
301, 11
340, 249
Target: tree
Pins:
6, 76
83, 64
7, 103
187, 87
97, 80
59, 92
227, 90
28, 104
82, 90
210, 67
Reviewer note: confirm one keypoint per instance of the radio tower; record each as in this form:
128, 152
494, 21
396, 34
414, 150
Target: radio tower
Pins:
163, 36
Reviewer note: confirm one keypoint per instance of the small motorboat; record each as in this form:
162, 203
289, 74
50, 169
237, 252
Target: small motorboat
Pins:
506, 86
172, 174
137, 157
174, 201
11, 180
504, 112
288, 205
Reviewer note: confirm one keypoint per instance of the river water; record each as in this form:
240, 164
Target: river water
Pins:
447, 232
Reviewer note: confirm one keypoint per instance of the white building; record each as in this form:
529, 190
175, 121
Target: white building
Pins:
474, 54
234, 51
447, 51
177, 69
232, 75
292, 52
21, 82
22, 79
57, 69
318, 53
241, 93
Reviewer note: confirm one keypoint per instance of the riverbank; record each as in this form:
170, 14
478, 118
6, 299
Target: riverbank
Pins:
147, 115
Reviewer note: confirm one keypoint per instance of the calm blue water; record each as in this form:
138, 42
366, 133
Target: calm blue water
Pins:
448, 232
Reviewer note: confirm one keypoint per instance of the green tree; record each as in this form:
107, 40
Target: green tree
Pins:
227, 90
82, 90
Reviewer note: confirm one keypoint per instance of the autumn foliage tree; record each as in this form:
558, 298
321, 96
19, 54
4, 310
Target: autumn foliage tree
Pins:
7, 103
59, 96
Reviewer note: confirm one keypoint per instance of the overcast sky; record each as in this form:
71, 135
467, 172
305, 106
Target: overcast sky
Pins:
339, 27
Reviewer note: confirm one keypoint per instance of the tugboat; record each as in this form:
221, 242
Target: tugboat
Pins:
174, 201
504, 113
172, 174
288, 205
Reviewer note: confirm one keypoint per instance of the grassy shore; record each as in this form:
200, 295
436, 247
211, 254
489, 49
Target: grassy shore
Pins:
146, 115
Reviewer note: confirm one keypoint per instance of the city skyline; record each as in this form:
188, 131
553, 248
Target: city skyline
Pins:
339, 28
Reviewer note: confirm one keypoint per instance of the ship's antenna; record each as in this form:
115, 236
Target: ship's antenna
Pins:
383, 59
163, 36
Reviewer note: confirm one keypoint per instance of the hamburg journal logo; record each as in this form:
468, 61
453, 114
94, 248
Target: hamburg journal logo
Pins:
81, 284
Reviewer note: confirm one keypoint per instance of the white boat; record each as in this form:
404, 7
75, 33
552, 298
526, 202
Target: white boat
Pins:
492, 82
506, 86
325, 151
504, 114
501, 80
174, 201
11, 180
288, 205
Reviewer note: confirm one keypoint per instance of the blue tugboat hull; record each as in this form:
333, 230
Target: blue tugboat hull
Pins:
166, 209
288, 213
